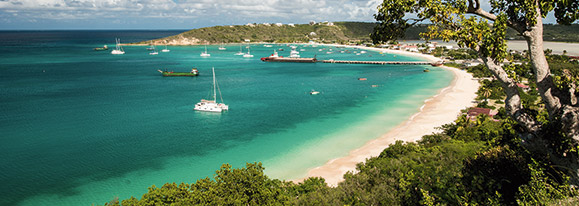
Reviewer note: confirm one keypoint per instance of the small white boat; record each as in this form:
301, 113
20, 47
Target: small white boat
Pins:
212, 105
165, 50
314, 92
205, 54
154, 51
119, 49
294, 53
248, 55
240, 51
222, 47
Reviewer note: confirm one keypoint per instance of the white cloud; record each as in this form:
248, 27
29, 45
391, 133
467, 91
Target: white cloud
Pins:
218, 11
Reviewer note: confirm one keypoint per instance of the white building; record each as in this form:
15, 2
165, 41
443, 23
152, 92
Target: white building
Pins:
278, 24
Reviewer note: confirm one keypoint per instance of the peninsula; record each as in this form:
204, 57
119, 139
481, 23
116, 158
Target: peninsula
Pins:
327, 32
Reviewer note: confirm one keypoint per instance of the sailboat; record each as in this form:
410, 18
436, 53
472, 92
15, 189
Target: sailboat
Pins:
154, 51
119, 49
205, 54
165, 50
248, 55
212, 105
222, 47
240, 51
152, 47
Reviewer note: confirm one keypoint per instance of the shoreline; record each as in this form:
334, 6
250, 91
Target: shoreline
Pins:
440, 109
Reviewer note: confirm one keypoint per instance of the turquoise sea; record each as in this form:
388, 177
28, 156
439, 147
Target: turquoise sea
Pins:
81, 127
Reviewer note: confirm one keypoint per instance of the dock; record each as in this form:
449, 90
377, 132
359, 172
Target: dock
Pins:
375, 62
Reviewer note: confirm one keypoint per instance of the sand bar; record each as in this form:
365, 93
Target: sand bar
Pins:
441, 109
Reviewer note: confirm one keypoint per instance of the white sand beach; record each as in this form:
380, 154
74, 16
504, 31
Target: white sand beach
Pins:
441, 109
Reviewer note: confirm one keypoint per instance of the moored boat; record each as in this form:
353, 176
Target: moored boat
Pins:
437, 64
314, 92
288, 59
104, 48
194, 72
205, 54
212, 105
119, 48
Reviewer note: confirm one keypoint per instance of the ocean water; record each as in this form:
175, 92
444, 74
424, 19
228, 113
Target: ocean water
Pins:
81, 127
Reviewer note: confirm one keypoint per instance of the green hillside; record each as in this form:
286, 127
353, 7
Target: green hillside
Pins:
340, 32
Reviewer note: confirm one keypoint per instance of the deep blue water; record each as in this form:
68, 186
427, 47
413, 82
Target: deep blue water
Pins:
79, 126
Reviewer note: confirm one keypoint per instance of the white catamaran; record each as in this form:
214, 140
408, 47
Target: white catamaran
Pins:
240, 51
248, 55
119, 49
205, 54
212, 105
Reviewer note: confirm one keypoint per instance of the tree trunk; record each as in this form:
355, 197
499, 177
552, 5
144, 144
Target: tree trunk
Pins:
547, 89
513, 104
558, 104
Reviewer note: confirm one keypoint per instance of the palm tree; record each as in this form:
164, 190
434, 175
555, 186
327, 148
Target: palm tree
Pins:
485, 92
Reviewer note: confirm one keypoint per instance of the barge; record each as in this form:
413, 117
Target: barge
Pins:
288, 59
295, 58
194, 72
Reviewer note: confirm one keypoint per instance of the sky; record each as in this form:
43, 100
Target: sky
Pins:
175, 14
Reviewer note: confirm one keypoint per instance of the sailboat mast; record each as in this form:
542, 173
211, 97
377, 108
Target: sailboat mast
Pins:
214, 91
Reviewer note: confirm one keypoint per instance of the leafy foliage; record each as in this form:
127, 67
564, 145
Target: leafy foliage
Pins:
471, 162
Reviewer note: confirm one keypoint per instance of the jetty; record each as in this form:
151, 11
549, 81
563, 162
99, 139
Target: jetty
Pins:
314, 60
376, 62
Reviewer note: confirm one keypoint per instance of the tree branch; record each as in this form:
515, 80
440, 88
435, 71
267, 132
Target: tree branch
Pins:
513, 102
474, 8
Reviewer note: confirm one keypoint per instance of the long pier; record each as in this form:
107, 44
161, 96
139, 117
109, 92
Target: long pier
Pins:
375, 62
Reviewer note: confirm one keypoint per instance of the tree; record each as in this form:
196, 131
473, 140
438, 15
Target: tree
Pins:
485, 92
465, 22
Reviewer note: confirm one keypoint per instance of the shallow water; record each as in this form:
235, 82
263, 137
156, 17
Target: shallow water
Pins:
79, 127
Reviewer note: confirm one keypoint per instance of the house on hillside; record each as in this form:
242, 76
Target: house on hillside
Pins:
475, 111
411, 48
278, 24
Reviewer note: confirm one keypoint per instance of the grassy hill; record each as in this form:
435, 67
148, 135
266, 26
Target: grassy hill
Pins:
340, 32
